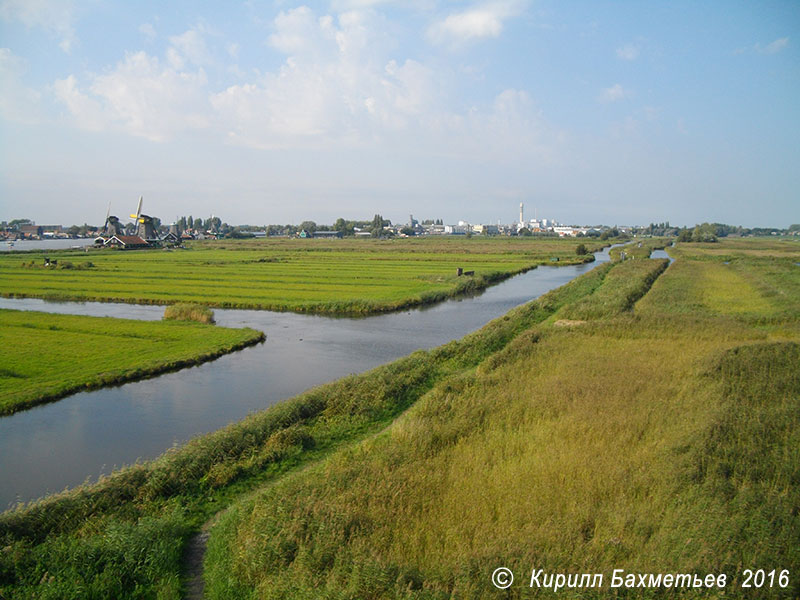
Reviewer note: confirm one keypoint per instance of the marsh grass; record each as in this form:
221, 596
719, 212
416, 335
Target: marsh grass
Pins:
644, 441
656, 439
184, 487
189, 312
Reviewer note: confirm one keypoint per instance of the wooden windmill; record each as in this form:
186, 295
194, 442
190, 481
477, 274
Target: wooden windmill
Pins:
112, 225
145, 228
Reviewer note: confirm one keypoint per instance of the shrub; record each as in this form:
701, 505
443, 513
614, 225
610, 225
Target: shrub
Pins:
189, 312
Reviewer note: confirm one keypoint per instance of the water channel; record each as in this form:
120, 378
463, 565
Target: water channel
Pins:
78, 438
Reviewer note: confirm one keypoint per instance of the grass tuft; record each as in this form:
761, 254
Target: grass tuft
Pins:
189, 312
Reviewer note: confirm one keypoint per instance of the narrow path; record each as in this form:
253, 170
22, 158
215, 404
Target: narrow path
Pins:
193, 565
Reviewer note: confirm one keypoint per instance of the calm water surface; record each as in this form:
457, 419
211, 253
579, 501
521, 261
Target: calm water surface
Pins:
62, 444
55, 244
661, 254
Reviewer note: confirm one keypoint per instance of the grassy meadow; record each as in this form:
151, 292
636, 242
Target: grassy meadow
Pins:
45, 356
636, 439
637, 418
325, 276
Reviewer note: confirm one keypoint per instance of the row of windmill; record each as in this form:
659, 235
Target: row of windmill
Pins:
145, 227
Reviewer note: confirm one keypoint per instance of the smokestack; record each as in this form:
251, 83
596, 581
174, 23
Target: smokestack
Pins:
521, 219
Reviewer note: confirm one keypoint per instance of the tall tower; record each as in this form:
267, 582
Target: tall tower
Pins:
521, 219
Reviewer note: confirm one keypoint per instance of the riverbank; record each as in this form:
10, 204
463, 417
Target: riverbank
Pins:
151, 509
664, 415
46, 357
333, 277
654, 432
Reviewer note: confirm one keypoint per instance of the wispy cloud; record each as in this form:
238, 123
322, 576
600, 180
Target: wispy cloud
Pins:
628, 52
54, 16
479, 22
613, 94
771, 48
17, 101
148, 31
191, 46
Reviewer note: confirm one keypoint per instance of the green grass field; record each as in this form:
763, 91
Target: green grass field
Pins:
325, 276
637, 440
44, 356
657, 432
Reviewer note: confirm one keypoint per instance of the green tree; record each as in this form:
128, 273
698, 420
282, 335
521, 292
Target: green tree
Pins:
581, 250
15, 223
377, 226
704, 233
309, 226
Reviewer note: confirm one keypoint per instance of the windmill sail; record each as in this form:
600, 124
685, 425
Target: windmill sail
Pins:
138, 211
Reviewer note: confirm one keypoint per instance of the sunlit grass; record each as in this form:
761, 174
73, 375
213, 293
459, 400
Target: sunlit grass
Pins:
45, 356
658, 434
326, 276
598, 446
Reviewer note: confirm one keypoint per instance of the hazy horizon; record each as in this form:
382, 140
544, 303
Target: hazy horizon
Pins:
279, 112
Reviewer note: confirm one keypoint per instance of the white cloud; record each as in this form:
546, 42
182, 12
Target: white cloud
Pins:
191, 46
298, 31
773, 47
334, 85
17, 101
478, 22
54, 16
148, 31
613, 94
628, 52
340, 86
87, 112
141, 97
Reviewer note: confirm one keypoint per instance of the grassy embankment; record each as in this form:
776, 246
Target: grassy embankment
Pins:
660, 440
44, 356
322, 276
123, 537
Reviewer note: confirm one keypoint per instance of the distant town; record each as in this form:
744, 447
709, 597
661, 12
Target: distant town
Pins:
143, 230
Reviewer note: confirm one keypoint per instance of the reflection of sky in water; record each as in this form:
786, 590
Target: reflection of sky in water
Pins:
61, 444
661, 254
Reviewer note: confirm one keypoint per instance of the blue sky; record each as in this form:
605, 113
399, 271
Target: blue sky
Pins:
275, 112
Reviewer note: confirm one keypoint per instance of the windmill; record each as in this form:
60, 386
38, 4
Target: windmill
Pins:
112, 225
145, 228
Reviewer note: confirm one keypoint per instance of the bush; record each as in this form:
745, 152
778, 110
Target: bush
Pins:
581, 250
189, 312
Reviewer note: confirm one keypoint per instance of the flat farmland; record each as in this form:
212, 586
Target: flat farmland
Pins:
44, 357
322, 276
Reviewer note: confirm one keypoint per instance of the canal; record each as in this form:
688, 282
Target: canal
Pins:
62, 444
